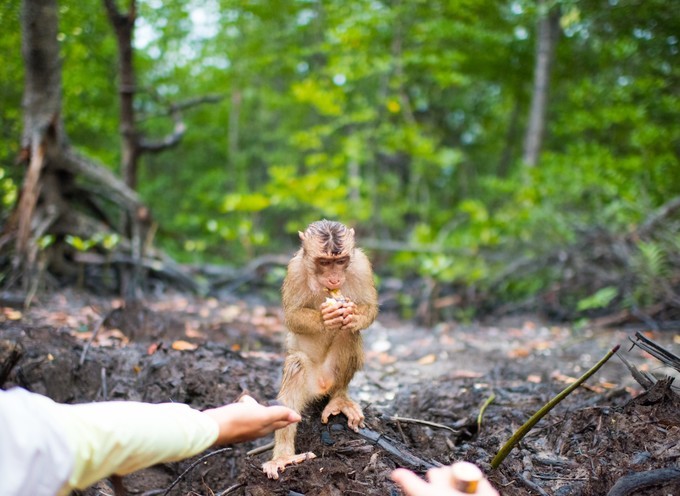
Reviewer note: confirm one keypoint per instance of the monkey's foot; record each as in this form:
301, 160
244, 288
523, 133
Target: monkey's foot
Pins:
342, 404
272, 467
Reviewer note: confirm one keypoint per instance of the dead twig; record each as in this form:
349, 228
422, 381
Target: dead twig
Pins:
657, 351
191, 467
261, 449
230, 490
423, 422
524, 429
89, 341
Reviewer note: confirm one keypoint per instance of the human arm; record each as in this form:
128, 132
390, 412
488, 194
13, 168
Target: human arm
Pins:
50, 448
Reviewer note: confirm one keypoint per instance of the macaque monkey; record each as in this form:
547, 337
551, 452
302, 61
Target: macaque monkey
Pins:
328, 297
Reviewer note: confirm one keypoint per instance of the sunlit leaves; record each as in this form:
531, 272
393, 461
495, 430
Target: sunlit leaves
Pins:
245, 202
108, 241
326, 99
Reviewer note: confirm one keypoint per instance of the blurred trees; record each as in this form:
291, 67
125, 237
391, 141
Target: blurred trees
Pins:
406, 119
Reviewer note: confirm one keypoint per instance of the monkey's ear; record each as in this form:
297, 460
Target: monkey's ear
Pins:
351, 232
302, 235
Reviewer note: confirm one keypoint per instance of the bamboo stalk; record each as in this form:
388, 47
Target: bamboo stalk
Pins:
522, 431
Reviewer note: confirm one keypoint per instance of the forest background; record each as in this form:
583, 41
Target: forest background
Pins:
500, 155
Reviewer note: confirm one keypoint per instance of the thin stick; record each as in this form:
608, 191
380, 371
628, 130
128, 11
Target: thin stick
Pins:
92, 338
261, 449
424, 422
522, 431
105, 389
201, 459
483, 409
230, 490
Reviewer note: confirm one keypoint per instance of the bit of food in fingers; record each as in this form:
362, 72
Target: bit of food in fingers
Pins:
335, 297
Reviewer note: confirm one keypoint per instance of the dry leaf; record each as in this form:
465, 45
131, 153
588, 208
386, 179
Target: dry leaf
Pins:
519, 353
192, 330
13, 314
181, 345
385, 358
428, 359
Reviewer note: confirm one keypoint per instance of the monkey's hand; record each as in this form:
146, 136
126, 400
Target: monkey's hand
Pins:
349, 320
332, 314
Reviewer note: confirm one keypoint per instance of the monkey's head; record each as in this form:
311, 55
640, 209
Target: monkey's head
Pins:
327, 248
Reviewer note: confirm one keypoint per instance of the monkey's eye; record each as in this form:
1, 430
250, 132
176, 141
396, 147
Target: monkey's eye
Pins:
324, 263
342, 262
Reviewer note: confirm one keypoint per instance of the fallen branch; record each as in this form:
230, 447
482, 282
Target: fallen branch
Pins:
632, 483
403, 456
524, 429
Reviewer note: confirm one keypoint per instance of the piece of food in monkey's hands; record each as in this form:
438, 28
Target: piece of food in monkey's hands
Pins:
335, 297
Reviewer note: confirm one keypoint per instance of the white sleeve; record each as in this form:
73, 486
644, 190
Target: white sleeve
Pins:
35, 456
95, 440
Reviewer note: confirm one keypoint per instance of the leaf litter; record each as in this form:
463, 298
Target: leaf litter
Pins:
431, 395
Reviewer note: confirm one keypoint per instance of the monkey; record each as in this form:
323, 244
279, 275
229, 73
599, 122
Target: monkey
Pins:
328, 298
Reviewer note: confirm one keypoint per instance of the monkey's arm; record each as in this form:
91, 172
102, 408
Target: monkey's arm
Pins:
359, 317
365, 315
304, 321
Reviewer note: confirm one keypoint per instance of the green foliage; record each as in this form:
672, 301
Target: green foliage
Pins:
404, 119
653, 271
600, 299
106, 241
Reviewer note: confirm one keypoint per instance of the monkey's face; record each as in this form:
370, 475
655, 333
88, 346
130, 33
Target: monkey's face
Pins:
330, 272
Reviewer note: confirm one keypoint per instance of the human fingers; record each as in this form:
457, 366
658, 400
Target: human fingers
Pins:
440, 476
282, 416
247, 420
411, 483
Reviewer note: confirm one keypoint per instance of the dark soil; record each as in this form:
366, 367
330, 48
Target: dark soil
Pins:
422, 391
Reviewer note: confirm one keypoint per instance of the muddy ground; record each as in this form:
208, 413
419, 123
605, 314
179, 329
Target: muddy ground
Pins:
422, 391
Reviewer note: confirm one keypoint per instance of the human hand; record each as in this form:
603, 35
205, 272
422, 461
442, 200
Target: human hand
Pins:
439, 483
246, 420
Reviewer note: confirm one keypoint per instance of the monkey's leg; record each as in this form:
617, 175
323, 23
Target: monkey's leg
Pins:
346, 359
295, 393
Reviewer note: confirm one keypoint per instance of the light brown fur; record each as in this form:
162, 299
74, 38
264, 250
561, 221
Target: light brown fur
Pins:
324, 345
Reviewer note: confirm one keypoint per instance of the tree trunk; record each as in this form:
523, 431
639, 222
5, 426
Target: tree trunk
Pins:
548, 32
43, 129
49, 193
124, 25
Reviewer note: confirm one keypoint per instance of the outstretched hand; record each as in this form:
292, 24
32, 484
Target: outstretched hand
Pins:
246, 420
438, 483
